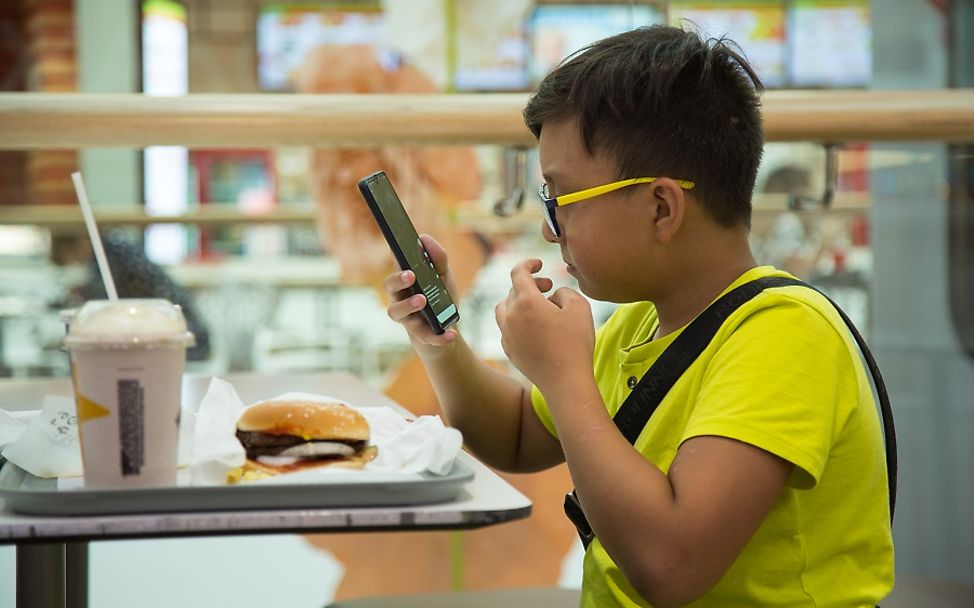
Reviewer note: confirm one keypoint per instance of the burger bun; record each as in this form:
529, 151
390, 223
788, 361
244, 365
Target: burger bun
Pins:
313, 420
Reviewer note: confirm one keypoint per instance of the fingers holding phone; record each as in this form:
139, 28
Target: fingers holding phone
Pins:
428, 281
407, 309
435, 254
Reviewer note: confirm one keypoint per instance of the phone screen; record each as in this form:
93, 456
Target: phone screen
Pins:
398, 229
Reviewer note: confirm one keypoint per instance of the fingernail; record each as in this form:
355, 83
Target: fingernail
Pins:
404, 277
416, 300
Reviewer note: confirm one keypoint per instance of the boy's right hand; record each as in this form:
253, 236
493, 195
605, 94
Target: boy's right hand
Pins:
406, 306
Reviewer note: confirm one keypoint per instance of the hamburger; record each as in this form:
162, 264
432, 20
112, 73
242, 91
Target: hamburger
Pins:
288, 436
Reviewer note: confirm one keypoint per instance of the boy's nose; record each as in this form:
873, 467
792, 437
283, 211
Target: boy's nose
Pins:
547, 233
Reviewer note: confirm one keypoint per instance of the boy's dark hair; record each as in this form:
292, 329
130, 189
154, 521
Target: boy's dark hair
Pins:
661, 101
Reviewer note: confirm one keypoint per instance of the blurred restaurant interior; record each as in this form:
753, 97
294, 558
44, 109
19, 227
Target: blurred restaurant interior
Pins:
216, 183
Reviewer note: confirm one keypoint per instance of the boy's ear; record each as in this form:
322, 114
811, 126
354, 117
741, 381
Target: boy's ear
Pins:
671, 201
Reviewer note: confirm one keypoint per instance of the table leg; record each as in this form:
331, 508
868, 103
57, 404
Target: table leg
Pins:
40, 575
76, 575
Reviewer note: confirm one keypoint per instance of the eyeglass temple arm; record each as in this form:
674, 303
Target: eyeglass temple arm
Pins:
600, 190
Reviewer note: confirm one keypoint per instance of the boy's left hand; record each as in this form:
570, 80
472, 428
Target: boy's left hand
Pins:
545, 337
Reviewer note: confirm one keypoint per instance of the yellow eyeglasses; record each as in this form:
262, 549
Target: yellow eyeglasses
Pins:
550, 204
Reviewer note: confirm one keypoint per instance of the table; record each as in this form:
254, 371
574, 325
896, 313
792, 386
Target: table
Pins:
57, 546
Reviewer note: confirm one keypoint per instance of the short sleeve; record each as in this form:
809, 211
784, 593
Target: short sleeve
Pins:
779, 382
542, 412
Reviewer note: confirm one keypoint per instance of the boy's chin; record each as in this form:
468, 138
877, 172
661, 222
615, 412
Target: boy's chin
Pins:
601, 294
593, 292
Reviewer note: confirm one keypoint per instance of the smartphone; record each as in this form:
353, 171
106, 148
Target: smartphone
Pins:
440, 311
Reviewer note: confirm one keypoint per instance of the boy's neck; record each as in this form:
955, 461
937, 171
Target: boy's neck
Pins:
699, 285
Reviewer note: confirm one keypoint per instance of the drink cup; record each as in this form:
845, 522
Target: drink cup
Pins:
127, 363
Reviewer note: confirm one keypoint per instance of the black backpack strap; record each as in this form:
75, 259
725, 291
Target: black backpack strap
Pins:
646, 396
636, 410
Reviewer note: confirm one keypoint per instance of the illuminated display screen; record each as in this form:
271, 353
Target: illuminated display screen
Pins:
557, 31
285, 34
830, 43
757, 26
796, 43
506, 68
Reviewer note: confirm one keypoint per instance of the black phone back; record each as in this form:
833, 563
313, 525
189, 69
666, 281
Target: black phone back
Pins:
387, 209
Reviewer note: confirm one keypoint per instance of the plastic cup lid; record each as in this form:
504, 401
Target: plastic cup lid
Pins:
128, 323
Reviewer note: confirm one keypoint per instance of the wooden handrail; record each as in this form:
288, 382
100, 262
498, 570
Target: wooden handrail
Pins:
258, 120
75, 120
67, 218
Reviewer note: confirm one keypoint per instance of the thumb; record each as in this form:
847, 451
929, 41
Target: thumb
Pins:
564, 297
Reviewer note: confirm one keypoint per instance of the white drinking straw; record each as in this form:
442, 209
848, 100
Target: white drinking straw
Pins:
106, 273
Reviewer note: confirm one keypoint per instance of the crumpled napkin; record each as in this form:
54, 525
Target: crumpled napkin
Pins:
13, 424
46, 443
405, 447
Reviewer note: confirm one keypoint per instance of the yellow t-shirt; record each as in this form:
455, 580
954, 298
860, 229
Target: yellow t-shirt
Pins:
784, 374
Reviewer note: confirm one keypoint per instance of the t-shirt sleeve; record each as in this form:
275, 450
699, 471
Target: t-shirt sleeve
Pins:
541, 411
777, 383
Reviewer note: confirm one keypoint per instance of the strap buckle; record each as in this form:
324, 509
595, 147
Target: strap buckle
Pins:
573, 509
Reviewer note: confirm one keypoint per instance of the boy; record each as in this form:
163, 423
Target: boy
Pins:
760, 480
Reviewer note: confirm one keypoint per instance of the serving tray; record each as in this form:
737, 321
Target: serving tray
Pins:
26, 493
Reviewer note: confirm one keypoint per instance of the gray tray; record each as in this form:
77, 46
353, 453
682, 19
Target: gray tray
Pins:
25, 493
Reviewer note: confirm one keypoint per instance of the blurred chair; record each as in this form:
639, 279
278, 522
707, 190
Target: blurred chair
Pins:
305, 350
913, 591
233, 310
910, 592
30, 338
547, 597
